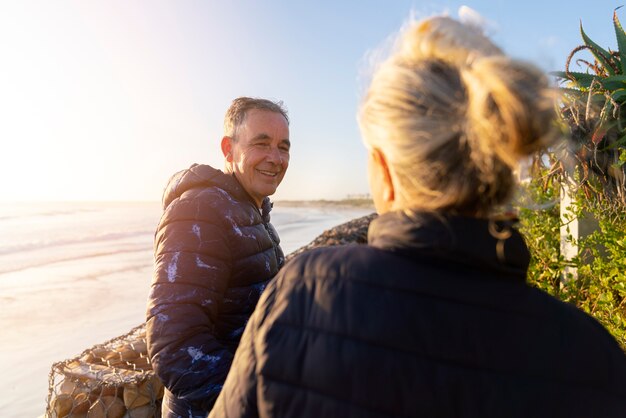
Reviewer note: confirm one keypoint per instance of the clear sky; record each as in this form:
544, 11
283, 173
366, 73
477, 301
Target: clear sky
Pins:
104, 100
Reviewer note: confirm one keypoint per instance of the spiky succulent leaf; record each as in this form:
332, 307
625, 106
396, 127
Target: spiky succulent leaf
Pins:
619, 95
614, 82
574, 76
576, 79
602, 55
621, 41
570, 91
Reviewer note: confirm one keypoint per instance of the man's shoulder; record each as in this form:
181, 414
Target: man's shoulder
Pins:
220, 196
205, 202
199, 181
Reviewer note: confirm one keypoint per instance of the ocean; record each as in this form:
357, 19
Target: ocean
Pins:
76, 274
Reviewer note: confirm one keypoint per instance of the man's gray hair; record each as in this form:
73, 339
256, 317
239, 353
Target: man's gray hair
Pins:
236, 113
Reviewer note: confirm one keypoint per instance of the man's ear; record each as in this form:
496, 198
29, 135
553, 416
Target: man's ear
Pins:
227, 148
388, 189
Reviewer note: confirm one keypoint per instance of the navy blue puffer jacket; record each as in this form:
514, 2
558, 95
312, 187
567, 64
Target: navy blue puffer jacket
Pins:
215, 251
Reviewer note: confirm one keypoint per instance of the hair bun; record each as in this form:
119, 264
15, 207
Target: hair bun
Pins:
510, 108
448, 40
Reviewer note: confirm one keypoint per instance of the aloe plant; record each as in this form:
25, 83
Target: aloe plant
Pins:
594, 107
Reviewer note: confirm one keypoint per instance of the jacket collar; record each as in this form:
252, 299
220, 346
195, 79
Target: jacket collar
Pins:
481, 243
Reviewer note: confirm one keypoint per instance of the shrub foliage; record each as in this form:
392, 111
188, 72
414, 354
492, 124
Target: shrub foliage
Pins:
593, 115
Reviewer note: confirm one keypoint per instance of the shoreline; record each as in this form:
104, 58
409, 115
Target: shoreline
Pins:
323, 203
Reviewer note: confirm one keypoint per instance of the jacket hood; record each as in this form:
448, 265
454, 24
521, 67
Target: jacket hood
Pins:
482, 243
201, 175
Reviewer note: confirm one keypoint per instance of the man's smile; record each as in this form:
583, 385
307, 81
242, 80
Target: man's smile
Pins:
268, 173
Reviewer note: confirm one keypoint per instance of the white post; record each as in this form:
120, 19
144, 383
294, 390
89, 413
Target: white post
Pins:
570, 227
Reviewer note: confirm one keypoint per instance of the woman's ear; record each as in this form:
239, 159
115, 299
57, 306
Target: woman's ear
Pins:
227, 147
381, 181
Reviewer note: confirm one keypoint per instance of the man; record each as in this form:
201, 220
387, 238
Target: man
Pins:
215, 250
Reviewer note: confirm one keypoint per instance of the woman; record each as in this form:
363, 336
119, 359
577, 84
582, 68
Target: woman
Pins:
433, 317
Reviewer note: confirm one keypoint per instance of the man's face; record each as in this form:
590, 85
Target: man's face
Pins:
259, 153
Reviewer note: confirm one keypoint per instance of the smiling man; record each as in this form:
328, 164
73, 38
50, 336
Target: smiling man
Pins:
215, 250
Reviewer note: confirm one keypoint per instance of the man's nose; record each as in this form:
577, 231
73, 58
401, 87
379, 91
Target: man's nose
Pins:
274, 156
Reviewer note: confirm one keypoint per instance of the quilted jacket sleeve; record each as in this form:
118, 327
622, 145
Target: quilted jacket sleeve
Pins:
192, 270
239, 395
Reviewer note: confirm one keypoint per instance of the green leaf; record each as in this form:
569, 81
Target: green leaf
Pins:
573, 76
603, 56
569, 90
584, 83
618, 144
580, 80
619, 95
614, 82
621, 41
572, 88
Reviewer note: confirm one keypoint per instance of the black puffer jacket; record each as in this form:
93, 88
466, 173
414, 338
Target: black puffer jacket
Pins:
214, 254
432, 319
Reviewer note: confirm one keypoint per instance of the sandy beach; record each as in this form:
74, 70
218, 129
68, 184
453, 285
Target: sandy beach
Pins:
75, 275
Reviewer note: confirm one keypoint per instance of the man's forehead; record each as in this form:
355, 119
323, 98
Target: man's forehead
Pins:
262, 113
270, 124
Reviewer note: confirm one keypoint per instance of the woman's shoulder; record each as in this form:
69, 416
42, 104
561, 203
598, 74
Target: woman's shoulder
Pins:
574, 323
335, 261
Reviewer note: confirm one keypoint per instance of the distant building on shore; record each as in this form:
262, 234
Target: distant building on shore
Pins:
359, 196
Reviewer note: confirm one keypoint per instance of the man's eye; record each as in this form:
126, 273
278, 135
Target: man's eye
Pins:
284, 149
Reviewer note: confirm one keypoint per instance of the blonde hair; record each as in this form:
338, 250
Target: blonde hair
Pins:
453, 115
236, 113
